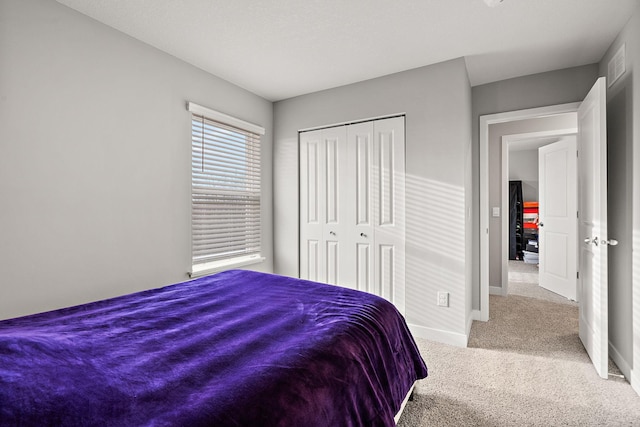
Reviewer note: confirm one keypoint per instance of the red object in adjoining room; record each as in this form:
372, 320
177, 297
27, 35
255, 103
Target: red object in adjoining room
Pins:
530, 215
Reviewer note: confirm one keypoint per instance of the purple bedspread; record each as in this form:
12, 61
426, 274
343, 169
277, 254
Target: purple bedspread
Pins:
235, 349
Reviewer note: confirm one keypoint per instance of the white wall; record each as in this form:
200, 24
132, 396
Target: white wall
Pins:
437, 103
623, 135
523, 166
95, 159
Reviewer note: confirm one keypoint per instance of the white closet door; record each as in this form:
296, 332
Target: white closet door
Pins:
389, 200
337, 207
352, 207
312, 196
324, 206
361, 219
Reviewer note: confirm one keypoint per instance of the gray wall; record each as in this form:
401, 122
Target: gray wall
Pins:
437, 103
537, 90
623, 139
523, 166
95, 159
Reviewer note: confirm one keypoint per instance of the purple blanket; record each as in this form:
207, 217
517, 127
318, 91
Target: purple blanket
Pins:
235, 349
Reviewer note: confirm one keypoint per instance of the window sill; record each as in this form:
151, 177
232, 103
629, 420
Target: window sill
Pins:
227, 264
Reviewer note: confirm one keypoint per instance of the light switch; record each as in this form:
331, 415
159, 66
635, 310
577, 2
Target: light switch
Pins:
496, 211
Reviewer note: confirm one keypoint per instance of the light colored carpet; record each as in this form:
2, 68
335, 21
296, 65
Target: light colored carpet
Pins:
525, 367
523, 281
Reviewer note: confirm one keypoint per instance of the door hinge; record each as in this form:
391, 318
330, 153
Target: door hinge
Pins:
577, 274
577, 214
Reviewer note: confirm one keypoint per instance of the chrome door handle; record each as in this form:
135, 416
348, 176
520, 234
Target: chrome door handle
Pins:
610, 242
332, 233
595, 241
589, 241
363, 235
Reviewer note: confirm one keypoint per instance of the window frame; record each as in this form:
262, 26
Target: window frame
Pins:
199, 112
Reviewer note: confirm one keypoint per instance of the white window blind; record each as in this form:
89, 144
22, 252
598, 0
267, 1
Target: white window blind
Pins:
225, 190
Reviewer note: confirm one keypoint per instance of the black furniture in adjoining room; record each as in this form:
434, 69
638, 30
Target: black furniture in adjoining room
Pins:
516, 240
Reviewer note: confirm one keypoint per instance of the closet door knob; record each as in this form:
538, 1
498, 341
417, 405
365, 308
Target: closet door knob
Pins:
332, 233
541, 224
363, 235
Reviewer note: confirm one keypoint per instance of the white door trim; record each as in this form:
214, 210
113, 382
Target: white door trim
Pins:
507, 141
485, 121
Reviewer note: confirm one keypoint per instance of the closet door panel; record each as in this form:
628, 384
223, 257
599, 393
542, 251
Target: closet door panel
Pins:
363, 150
312, 176
339, 264
312, 187
364, 267
312, 260
360, 178
333, 262
386, 265
389, 170
332, 203
386, 167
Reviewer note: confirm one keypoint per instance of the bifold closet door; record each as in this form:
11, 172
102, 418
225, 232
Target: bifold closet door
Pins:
360, 149
323, 205
389, 205
352, 207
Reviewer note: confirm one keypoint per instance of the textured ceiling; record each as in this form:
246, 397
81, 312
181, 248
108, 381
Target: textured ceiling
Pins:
284, 48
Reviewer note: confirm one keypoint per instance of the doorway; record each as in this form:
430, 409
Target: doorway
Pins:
543, 163
592, 197
492, 128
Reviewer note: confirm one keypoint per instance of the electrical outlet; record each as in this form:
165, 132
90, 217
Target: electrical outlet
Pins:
443, 299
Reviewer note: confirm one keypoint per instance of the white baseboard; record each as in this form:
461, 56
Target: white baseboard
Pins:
622, 364
635, 380
496, 290
445, 337
469, 324
477, 315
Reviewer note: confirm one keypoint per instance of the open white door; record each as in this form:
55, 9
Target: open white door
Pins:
557, 165
592, 226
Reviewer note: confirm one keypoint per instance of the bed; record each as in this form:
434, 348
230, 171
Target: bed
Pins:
238, 348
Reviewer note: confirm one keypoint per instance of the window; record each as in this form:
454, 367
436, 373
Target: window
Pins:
225, 191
